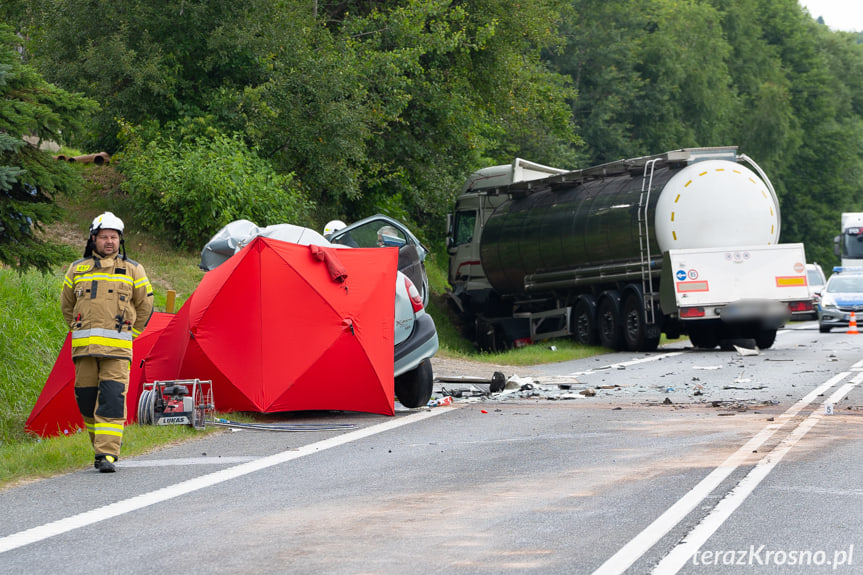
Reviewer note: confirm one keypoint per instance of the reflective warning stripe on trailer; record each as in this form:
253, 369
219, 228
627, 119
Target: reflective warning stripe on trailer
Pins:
684, 287
790, 281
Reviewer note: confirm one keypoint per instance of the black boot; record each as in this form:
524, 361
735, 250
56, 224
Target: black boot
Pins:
105, 463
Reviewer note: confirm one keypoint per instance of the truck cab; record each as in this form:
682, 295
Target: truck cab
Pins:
849, 244
477, 201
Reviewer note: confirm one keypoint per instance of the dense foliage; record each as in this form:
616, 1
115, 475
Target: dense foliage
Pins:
191, 188
30, 178
387, 106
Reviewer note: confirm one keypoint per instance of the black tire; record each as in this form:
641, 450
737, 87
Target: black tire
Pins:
608, 321
583, 322
673, 329
414, 388
765, 338
744, 342
489, 337
637, 335
703, 338
824, 328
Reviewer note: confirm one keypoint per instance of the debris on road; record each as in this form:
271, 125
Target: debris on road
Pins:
746, 351
677, 388
495, 383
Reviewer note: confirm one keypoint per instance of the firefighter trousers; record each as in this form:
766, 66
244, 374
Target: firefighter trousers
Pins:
100, 389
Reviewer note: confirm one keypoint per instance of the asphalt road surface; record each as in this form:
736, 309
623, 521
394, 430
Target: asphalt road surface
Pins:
676, 461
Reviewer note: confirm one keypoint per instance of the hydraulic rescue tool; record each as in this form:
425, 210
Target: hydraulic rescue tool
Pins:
176, 402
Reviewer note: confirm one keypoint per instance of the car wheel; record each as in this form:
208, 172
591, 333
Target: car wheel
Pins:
414, 388
824, 328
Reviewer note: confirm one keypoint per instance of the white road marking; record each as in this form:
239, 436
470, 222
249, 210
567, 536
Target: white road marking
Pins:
61, 526
185, 461
679, 556
623, 364
641, 543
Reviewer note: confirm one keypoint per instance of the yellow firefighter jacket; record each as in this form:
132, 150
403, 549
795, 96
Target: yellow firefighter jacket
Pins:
106, 302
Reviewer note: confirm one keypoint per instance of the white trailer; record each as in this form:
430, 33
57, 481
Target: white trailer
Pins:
739, 284
849, 243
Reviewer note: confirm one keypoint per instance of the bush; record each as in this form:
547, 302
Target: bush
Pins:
193, 188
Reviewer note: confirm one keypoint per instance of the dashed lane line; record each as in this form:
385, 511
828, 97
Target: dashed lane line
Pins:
641, 543
623, 364
679, 556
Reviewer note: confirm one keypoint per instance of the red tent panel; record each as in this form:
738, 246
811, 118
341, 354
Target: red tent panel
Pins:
274, 332
55, 411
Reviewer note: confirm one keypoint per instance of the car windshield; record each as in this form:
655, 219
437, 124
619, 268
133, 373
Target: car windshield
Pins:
852, 247
846, 284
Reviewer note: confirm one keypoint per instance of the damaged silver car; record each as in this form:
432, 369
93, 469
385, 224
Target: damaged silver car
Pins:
416, 339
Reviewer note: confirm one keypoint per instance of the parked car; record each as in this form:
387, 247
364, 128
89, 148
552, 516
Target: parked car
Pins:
416, 339
842, 295
815, 280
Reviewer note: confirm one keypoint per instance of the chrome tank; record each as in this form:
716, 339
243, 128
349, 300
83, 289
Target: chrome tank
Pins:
580, 226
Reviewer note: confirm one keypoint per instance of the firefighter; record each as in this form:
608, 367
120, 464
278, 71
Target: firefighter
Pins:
332, 227
107, 301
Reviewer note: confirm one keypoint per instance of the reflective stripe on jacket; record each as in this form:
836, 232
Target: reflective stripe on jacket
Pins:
106, 302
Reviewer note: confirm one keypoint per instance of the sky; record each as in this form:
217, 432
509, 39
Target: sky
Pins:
838, 14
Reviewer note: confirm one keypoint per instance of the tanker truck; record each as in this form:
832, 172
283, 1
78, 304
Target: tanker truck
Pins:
681, 243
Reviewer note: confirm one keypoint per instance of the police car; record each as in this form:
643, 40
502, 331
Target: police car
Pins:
842, 295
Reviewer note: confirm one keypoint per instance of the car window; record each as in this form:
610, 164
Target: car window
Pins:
465, 222
847, 284
815, 277
371, 235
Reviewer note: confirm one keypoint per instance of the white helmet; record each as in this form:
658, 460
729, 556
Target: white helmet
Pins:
106, 221
333, 226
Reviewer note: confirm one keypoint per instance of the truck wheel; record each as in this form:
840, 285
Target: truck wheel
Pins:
489, 337
608, 322
414, 388
703, 338
764, 338
584, 322
636, 334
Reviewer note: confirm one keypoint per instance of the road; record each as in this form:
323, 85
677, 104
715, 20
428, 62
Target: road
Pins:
676, 461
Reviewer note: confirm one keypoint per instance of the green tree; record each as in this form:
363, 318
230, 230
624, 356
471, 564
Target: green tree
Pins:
191, 188
393, 105
29, 177
651, 75
818, 169
145, 60
603, 40
370, 104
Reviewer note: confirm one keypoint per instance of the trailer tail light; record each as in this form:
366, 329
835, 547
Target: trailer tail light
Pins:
798, 306
689, 312
414, 294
